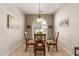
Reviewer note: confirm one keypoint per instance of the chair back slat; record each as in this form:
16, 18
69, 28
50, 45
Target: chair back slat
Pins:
56, 38
40, 39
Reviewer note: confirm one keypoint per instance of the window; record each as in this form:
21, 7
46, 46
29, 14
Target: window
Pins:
39, 25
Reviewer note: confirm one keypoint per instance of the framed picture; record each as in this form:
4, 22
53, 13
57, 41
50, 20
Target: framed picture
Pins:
12, 22
50, 26
64, 22
7, 21
28, 26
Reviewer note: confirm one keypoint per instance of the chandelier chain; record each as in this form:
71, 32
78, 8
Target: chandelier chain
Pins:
39, 11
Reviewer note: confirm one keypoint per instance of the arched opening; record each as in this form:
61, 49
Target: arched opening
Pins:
39, 25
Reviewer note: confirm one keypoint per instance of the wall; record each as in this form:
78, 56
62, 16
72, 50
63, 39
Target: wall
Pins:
69, 36
32, 17
9, 38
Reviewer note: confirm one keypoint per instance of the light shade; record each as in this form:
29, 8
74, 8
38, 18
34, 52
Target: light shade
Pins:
39, 19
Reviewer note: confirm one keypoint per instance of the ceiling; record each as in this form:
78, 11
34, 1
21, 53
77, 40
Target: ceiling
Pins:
33, 8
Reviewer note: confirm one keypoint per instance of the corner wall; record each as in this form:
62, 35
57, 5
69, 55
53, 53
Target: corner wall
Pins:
68, 36
10, 38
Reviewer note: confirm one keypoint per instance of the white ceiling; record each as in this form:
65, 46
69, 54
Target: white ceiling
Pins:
33, 8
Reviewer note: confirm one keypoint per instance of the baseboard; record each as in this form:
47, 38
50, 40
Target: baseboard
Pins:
66, 50
14, 48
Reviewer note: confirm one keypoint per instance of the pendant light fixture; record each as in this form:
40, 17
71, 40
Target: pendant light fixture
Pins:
39, 17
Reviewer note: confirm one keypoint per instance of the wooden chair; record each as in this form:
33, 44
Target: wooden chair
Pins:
39, 43
54, 41
75, 51
28, 41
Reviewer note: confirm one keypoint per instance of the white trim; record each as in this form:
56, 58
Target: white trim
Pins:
14, 48
66, 50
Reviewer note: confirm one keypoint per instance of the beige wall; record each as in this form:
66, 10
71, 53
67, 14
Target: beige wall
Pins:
69, 36
9, 38
31, 18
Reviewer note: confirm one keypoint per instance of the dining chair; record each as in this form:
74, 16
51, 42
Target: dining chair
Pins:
28, 41
54, 41
39, 43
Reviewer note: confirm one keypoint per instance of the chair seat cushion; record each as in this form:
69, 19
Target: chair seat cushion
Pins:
39, 47
30, 41
39, 44
51, 42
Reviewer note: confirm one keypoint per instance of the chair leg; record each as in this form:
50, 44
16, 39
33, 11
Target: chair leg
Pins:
48, 47
35, 53
44, 52
26, 48
75, 51
56, 48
